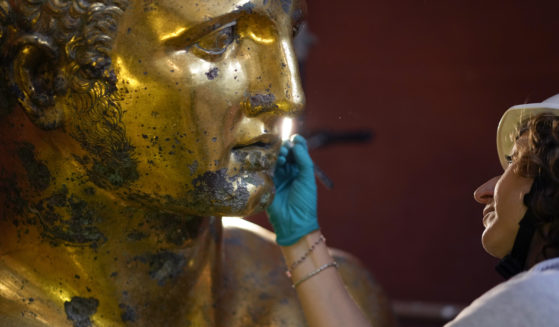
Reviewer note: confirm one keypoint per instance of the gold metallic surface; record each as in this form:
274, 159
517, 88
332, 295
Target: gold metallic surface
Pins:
126, 129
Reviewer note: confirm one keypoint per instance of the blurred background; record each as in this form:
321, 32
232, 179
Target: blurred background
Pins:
430, 80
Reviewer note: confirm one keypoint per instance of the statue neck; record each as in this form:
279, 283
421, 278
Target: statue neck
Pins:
64, 238
83, 242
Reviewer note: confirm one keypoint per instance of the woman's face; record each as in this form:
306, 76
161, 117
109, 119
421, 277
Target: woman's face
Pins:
503, 197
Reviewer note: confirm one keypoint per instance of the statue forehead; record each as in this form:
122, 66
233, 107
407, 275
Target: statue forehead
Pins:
221, 5
192, 11
152, 21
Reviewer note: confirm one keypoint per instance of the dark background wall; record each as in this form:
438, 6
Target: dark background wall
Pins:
431, 79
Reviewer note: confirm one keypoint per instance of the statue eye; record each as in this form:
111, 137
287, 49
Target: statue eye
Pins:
217, 42
296, 29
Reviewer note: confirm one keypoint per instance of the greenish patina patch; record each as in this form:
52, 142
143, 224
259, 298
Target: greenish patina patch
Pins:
115, 172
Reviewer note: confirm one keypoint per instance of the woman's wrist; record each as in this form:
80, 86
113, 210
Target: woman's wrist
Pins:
306, 255
298, 249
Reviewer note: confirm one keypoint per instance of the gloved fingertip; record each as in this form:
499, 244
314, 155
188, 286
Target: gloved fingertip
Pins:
281, 160
302, 156
298, 139
283, 150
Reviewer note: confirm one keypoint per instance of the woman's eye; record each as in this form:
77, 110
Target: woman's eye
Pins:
508, 159
217, 41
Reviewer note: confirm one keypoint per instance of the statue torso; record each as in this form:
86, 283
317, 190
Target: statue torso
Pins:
247, 286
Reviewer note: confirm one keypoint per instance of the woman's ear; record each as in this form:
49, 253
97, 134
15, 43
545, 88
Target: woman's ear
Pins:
37, 75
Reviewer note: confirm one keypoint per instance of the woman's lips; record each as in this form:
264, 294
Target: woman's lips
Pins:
487, 210
487, 216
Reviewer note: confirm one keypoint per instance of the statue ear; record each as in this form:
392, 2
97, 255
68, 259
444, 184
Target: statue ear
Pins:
36, 74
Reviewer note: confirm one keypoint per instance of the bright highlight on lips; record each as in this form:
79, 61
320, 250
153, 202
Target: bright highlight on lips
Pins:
286, 128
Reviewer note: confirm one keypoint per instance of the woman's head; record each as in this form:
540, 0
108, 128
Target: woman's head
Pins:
503, 197
531, 180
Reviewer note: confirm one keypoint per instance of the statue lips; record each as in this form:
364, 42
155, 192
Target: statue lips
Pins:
257, 154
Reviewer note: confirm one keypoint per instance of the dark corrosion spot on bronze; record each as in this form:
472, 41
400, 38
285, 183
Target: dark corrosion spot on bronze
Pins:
11, 200
212, 73
177, 229
117, 171
219, 191
7, 102
127, 313
262, 100
193, 167
69, 219
38, 173
79, 310
89, 191
163, 266
136, 235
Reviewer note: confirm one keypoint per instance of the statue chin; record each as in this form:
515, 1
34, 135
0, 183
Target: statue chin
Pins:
214, 194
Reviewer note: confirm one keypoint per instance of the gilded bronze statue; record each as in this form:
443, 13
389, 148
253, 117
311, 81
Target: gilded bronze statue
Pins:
127, 129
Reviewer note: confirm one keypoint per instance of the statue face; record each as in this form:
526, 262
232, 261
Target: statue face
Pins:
204, 86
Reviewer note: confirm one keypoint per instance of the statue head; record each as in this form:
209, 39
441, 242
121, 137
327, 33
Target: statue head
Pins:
171, 104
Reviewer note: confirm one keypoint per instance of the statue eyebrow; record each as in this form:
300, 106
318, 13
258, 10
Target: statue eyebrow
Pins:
184, 37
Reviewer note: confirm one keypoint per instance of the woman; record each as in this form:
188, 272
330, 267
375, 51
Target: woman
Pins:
521, 220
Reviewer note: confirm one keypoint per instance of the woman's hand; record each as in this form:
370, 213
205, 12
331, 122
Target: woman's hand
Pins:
293, 211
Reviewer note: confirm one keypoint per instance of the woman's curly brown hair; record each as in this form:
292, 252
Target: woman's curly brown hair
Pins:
539, 159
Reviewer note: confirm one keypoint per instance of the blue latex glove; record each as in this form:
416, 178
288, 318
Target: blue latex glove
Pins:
293, 211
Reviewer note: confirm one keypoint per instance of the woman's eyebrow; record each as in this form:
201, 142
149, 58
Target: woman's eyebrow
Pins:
185, 36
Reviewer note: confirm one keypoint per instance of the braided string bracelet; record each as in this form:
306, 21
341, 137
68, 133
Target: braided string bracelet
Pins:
305, 255
316, 272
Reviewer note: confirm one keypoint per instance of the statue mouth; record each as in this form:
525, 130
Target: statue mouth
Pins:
257, 154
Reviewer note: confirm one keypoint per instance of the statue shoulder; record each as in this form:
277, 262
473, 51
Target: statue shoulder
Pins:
257, 268
24, 303
364, 289
25, 314
255, 290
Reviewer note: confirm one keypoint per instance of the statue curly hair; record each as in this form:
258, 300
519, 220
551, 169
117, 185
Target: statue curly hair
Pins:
77, 36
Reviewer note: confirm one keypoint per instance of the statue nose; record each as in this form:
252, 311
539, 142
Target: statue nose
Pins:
279, 90
268, 103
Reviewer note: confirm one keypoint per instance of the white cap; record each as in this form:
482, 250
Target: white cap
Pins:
512, 118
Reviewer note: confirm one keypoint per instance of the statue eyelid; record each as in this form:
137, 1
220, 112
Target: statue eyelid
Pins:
217, 41
186, 37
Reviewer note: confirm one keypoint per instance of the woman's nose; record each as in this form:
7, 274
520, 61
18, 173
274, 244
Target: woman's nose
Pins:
484, 193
